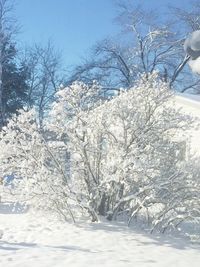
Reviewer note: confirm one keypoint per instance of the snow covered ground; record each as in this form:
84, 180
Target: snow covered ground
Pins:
43, 241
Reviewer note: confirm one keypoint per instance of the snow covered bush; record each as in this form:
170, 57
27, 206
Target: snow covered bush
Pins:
39, 158
26, 155
122, 154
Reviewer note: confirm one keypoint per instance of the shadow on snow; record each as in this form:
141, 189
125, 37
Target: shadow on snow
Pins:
12, 208
10, 246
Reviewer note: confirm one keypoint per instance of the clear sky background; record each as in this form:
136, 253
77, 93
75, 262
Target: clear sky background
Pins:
74, 25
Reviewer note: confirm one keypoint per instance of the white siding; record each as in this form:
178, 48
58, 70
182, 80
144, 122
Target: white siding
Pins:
190, 105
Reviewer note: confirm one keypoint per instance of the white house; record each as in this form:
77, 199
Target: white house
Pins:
190, 105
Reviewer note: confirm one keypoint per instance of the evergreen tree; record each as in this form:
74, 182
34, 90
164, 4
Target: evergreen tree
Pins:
15, 88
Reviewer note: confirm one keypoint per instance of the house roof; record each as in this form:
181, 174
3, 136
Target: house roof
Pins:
189, 102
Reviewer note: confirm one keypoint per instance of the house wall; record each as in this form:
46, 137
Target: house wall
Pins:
190, 105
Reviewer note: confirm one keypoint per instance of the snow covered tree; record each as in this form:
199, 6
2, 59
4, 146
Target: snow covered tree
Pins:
148, 42
122, 151
39, 179
124, 155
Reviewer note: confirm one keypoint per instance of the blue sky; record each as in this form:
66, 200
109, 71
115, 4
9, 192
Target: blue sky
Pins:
74, 25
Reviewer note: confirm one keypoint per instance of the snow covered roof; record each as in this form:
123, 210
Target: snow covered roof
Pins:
190, 102
189, 97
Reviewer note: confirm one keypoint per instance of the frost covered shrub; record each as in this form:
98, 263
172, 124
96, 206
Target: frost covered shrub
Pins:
25, 154
179, 196
38, 159
123, 156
